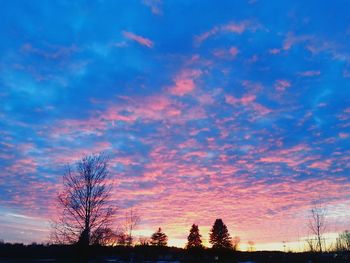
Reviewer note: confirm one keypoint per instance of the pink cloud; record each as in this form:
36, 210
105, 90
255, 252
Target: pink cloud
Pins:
293, 157
231, 99
115, 115
184, 82
72, 127
232, 27
206, 99
7, 156
144, 109
251, 86
322, 165
261, 109
244, 100
234, 51
139, 39
182, 87
22, 166
236, 28
152, 108
200, 154
344, 135
220, 53
248, 99
250, 104
274, 51
159, 103
278, 159
282, 84
226, 54
123, 160
6, 144
291, 40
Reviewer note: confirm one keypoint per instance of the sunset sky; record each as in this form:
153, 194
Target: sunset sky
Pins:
237, 110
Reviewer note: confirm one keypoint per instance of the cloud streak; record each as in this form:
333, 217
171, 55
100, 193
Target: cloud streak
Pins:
139, 39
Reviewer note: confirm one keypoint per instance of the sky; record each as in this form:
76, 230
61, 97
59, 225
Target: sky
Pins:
237, 110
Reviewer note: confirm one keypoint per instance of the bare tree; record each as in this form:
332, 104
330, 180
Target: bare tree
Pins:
311, 244
317, 226
235, 243
121, 239
84, 202
144, 241
131, 221
343, 241
251, 246
104, 237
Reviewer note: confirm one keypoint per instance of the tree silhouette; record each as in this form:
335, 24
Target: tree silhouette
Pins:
317, 225
194, 238
159, 238
122, 239
343, 241
219, 236
131, 221
144, 241
84, 202
251, 246
235, 243
103, 237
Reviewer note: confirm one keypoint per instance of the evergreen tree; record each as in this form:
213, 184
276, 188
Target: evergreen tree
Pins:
159, 238
194, 238
219, 236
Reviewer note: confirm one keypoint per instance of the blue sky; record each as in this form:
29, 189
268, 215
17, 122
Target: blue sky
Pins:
237, 110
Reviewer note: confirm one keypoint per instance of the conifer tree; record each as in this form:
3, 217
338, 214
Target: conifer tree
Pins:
219, 235
159, 238
194, 238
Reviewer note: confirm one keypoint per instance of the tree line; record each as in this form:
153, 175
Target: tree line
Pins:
86, 215
219, 238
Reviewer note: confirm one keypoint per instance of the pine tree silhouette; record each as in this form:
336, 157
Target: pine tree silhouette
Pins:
219, 236
194, 238
159, 238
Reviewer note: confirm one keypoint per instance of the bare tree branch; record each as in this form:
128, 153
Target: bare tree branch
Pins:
131, 221
317, 226
84, 202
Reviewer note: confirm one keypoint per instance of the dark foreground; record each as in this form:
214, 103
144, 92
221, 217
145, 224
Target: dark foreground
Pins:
17, 253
